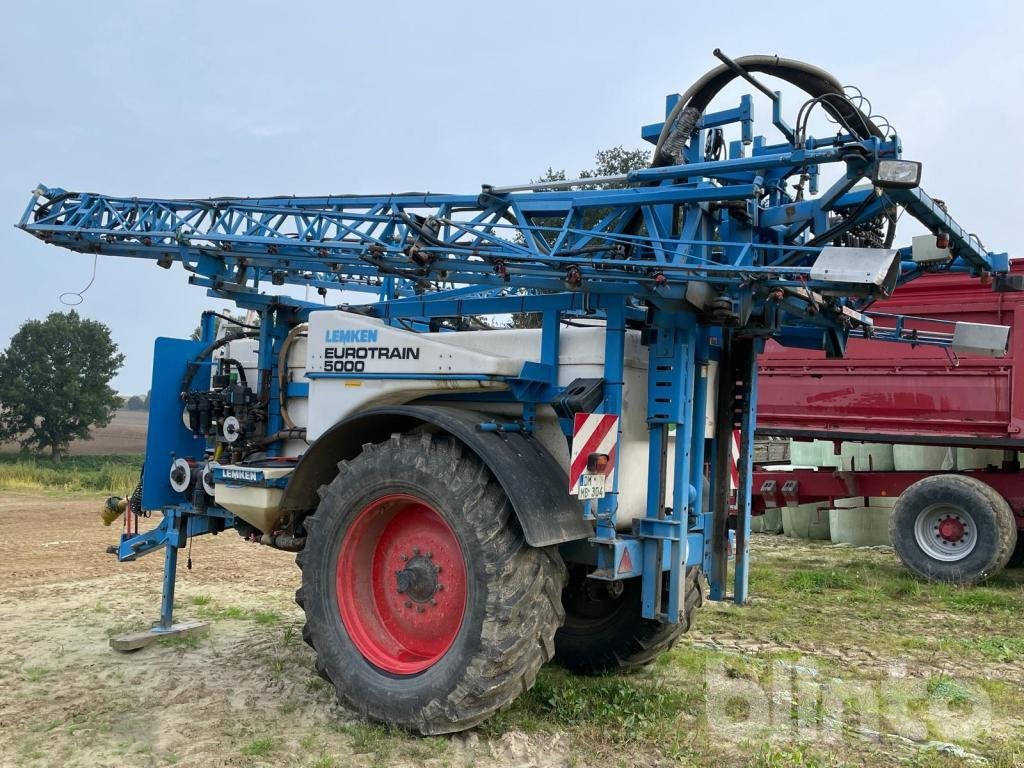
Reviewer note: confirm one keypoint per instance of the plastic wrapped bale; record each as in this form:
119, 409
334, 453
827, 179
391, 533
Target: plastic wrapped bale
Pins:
851, 522
864, 457
915, 458
769, 522
813, 453
978, 458
806, 521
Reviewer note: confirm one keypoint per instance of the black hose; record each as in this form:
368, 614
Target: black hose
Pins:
232, 320
815, 81
193, 367
238, 367
682, 121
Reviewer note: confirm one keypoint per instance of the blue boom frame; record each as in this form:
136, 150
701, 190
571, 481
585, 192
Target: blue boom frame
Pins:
634, 249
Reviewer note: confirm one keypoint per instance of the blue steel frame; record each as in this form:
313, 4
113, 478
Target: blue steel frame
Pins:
727, 224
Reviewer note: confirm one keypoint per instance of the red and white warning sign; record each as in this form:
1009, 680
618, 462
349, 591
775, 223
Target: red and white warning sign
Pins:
734, 462
593, 434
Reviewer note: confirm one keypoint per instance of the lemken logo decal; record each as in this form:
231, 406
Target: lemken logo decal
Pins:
241, 474
349, 336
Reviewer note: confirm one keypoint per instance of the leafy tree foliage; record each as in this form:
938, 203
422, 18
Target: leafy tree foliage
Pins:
55, 382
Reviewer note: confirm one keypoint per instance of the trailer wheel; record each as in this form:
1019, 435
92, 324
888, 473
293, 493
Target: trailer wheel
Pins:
953, 528
604, 631
425, 605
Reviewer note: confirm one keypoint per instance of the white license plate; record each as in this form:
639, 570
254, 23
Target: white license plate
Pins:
591, 486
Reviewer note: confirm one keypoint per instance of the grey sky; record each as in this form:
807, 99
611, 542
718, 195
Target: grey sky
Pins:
205, 99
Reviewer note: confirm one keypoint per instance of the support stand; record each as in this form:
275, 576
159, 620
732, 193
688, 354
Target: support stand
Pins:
175, 526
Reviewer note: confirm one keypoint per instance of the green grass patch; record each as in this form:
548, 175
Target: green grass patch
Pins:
998, 648
35, 674
114, 474
266, 618
259, 747
817, 581
372, 738
790, 756
187, 640
612, 709
983, 599
205, 609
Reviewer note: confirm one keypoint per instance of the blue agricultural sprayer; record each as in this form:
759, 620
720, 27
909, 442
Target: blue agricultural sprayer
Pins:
470, 499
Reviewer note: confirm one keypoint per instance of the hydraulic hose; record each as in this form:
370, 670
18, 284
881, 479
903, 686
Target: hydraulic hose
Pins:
193, 367
683, 119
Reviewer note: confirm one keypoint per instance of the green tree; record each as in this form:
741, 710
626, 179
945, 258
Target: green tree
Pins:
55, 382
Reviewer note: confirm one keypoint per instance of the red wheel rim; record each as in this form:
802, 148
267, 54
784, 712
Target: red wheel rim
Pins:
401, 584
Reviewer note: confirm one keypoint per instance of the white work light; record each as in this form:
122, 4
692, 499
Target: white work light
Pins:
897, 174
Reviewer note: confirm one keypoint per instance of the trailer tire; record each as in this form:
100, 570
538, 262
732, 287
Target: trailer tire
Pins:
953, 528
431, 636
604, 632
1017, 556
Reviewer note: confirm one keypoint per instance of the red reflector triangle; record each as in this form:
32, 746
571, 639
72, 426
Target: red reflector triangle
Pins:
626, 562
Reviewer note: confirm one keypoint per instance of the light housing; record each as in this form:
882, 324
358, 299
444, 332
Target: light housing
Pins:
896, 174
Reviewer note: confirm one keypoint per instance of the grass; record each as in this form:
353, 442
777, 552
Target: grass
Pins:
616, 711
114, 474
205, 609
35, 674
817, 581
189, 640
259, 747
999, 648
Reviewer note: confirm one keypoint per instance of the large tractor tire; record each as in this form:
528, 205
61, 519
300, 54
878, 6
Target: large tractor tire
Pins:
604, 630
425, 605
953, 528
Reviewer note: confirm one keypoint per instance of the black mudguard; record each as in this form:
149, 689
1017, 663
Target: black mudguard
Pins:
536, 484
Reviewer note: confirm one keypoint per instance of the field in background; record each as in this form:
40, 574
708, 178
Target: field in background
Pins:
126, 434
840, 660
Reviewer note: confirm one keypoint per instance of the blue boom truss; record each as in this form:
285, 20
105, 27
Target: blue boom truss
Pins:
710, 251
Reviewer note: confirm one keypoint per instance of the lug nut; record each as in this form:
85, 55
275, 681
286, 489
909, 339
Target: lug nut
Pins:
408, 603
440, 587
433, 601
415, 550
419, 609
405, 558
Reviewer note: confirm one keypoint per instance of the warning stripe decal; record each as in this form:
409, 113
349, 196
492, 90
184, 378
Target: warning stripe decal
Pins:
591, 433
734, 461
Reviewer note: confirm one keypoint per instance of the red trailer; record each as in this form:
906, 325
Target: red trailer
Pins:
955, 526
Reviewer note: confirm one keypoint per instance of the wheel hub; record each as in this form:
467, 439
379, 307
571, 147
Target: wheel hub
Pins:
951, 529
418, 580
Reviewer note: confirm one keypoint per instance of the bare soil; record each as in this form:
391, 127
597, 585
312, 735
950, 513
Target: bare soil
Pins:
245, 692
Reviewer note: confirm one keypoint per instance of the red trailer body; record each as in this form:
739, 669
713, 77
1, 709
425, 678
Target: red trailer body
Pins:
889, 393
883, 392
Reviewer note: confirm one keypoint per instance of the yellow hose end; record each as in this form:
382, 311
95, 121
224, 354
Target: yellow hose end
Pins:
113, 509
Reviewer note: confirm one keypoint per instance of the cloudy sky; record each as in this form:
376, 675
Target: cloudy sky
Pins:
204, 99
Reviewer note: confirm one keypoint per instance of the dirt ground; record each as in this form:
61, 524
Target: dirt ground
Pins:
245, 693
